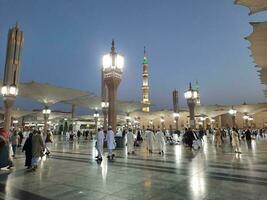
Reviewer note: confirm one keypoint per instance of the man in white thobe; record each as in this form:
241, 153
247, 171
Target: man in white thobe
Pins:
110, 142
150, 138
99, 143
130, 142
160, 141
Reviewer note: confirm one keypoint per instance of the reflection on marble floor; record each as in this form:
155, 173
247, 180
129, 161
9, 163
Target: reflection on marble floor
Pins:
71, 172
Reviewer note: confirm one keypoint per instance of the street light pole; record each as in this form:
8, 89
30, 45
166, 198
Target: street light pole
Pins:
162, 120
128, 118
191, 96
233, 112
9, 89
46, 113
175, 109
96, 116
246, 117
105, 106
112, 70
176, 118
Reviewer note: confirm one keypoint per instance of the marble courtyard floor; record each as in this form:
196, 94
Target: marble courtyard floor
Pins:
71, 172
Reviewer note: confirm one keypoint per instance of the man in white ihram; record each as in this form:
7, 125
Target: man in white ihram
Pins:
150, 138
110, 142
130, 141
99, 143
160, 141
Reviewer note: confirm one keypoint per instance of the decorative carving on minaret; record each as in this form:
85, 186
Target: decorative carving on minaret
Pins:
145, 86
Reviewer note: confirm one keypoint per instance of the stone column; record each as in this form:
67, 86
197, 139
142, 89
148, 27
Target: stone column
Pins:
191, 105
233, 121
96, 120
112, 99
175, 107
8, 103
73, 111
105, 118
246, 123
46, 116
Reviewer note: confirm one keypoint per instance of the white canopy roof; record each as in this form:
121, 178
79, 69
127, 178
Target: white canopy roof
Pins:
91, 101
253, 5
48, 94
258, 40
17, 112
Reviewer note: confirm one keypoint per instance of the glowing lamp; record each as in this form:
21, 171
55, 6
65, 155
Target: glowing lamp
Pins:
176, 115
46, 111
232, 111
9, 90
113, 61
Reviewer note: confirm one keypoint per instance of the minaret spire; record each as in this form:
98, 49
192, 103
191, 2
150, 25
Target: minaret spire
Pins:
144, 51
113, 46
145, 86
17, 24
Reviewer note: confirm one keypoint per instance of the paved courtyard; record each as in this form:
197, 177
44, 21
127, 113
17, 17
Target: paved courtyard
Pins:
71, 172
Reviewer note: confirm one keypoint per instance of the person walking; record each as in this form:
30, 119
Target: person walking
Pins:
130, 141
248, 135
110, 142
5, 160
27, 147
20, 139
160, 141
79, 135
37, 148
48, 142
217, 137
150, 139
190, 137
235, 141
14, 142
99, 143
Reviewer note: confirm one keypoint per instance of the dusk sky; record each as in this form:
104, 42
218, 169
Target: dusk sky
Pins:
186, 40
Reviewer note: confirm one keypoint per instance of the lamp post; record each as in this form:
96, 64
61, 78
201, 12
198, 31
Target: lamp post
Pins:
175, 108
212, 122
46, 113
250, 119
112, 69
233, 112
246, 117
176, 118
128, 118
104, 106
162, 120
150, 124
203, 119
9, 89
15, 122
191, 96
96, 116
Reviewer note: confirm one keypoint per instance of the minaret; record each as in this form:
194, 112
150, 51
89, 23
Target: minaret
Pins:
145, 87
198, 92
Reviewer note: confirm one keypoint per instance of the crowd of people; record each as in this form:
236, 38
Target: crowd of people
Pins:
36, 145
193, 139
132, 139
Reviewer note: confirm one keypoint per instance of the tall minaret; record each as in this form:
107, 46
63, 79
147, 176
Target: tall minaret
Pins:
145, 87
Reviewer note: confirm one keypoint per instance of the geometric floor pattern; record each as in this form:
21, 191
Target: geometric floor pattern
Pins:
71, 173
